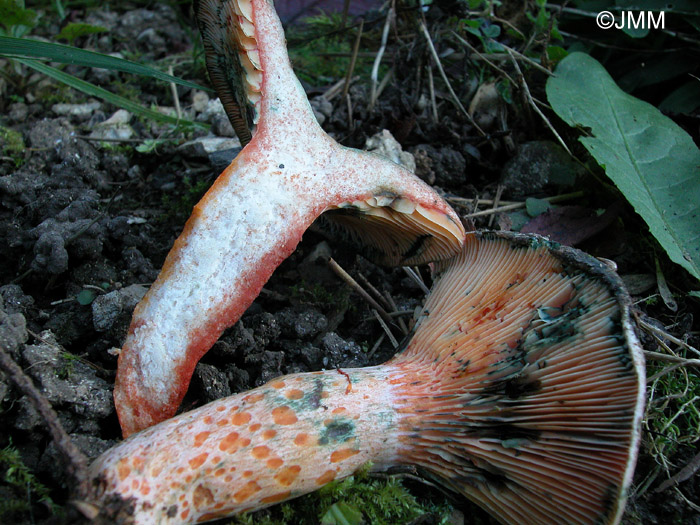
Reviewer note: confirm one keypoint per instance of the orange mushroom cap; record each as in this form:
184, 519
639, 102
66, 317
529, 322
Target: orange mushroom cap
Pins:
522, 389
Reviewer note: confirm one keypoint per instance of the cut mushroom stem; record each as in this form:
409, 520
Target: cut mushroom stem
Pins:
521, 389
254, 215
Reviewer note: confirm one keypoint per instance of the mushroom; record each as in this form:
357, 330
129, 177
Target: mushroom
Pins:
522, 389
255, 213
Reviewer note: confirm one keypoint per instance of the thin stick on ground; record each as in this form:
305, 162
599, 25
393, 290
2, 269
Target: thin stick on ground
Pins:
353, 59
483, 57
515, 206
532, 103
386, 329
377, 294
663, 334
496, 202
394, 309
375, 67
176, 98
454, 96
345, 276
76, 461
416, 278
431, 88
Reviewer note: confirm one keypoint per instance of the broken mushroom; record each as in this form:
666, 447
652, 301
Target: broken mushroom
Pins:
255, 213
521, 389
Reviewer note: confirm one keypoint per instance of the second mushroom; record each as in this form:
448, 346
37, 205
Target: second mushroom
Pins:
521, 389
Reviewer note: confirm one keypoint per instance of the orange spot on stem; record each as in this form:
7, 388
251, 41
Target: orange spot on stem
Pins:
197, 461
260, 452
287, 475
269, 434
248, 490
241, 418
275, 463
294, 393
342, 454
302, 439
284, 416
326, 477
200, 438
123, 469
277, 497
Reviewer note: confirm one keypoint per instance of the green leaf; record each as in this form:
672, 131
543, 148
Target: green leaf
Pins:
27, 48
653, 162
556, 53
536, 207
95, 91
77, 29
13, 14
342, 513
85, 297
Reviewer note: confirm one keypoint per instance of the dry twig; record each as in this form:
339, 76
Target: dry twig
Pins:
514, 206
454, 96
345, 276
375, 67
532, 103
353, 59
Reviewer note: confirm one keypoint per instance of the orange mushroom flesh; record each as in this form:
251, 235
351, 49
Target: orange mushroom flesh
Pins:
521, 389
254, 215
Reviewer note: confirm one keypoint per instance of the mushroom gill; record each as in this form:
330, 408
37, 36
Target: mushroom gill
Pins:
255, 213
522, 389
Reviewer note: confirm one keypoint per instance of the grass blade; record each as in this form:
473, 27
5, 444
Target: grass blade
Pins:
95, 91
27, 48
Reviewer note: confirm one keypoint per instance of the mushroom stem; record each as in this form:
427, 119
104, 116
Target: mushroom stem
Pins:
254, 215
521, 389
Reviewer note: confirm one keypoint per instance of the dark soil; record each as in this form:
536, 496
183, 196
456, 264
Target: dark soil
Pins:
86, 224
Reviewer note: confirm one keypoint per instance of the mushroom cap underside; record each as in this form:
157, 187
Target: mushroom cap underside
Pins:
393, 230
232, 59
533, 394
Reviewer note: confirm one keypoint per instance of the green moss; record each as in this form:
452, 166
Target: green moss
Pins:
19, 481
382, 501
12, 145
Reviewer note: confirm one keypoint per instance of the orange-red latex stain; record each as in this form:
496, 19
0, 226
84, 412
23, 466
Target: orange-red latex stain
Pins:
284, 416
287, 475
233, 442
241, 418
294, 393
260, 452
302, 439
200, 438
277, 497
248, 490
269, 434
123, 469
343, 453
326, 477
197, 461
275, 463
